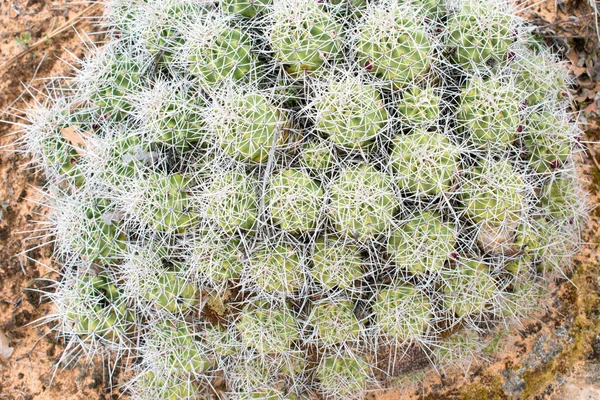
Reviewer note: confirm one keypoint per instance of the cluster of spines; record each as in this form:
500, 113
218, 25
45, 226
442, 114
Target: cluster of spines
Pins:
365, 174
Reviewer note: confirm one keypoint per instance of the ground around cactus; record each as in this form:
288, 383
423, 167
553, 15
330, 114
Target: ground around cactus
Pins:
554, 355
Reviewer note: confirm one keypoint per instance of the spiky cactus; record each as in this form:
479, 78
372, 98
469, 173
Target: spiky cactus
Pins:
362, 202
424, 163
217, 52
350, 113
232, 201
394, 44
419, 107
295, 201
547, 141
277, 268
479, 33
334, 321
268, 199
403, 312
469, 290
336, 263
266, 329
423, 243
494, 193
489, 112
303, 36
248, 127
343, 376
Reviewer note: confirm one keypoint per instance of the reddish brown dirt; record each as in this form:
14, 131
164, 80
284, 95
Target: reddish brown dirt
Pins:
30, 372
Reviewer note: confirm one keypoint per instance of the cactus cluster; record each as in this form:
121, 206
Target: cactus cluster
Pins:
267, 198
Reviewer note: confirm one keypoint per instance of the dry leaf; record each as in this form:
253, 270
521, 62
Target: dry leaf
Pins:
76, 138
5, 350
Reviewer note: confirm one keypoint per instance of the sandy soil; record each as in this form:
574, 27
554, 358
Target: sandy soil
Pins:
555, 354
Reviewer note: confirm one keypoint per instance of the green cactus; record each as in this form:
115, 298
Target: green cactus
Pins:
424, 163
125, 159
479, 33
178, 347
422, 244
178, 122
267, 329
294, 200
277, 268
403, 312
166, 205
547, 141
493, 193
394, 45
63, 157
217, 259
540, 78
221, 341
434, 9
219, 53
469, 289
560, 198
101, 236
165, 35
95, 307
362, 202
246, 8
342, 375
232, 201
350, 113
169, 290
334, 322
249, 126
318, 156
170, 387
336, 263
303, 36
489, 112
419, 107
112, 91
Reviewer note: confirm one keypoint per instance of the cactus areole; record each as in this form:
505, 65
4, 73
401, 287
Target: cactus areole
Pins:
271, 194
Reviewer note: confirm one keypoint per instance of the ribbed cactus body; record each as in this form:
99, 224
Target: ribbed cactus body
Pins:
424, 163
288, 199
277, 269
295, 201
547, 141
362, 202
351, 114
304, 36
336, 263
219, 53
267, 330
246, 8
489, 112
102, 237
249, 127
423, 243
479, 33
493, 192
96, 309
342, 376
419, 107
334, 322
469, 289
232, 201
393, 44
402, 312
165, 204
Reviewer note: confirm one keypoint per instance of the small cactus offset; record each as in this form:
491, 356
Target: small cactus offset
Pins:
276, 199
